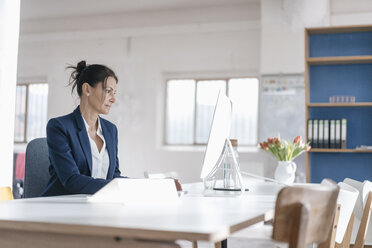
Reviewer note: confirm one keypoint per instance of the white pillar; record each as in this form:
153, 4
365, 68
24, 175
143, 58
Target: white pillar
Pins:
9, 34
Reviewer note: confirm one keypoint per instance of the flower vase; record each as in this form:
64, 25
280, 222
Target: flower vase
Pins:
285, 172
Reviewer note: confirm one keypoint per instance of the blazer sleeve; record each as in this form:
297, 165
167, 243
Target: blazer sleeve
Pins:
117, 172
62, 160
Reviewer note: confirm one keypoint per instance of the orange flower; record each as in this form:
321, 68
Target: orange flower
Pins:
308, 148
297, 140
276, 141
264, 145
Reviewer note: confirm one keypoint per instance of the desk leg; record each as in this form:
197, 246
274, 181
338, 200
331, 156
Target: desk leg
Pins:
224, 243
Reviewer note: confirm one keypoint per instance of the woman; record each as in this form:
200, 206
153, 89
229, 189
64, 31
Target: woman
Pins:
83, 147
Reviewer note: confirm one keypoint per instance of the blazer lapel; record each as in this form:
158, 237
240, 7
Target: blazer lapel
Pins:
110, 149
83, 137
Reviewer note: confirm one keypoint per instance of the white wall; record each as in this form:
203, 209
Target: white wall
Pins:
145, 48
343, 12
143, 57
9, 32
282, 32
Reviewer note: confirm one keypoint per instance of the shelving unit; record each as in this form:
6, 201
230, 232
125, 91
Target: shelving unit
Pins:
340, 150
338, 62
327, 105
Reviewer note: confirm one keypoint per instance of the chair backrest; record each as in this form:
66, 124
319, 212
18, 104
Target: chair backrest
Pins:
362, 211
364, 222
347, 198
304, 214
6, 194
36, 168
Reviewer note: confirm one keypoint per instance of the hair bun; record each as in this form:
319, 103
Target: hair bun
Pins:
81, 66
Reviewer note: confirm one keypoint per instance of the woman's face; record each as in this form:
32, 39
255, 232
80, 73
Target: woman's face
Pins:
102, 97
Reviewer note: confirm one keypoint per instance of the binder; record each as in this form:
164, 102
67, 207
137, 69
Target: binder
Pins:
310, 132
326, 134
343, 133
320, 134
315, 134
332, 134
338, 134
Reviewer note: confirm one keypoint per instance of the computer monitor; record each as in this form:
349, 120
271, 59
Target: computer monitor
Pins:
218, 140
220, 132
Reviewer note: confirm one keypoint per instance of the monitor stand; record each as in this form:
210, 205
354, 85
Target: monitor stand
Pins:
228, 189
235, 169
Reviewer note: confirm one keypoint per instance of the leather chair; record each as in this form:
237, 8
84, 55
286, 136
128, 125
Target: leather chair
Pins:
36, 167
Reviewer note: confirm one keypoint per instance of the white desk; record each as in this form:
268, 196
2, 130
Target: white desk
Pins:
195, 217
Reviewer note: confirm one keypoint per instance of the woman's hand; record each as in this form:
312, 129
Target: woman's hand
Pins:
178, 185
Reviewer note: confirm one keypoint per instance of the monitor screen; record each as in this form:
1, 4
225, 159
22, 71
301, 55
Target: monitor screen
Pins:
220, 131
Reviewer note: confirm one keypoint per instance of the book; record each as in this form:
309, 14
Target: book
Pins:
363, 147
338, 134
315, 134
343, 133
326, 134
332, 134
310, 132
320, 134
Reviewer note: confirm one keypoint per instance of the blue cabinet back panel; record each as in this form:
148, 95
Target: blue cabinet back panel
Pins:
340, 44
338, 166
340, 80
359, 123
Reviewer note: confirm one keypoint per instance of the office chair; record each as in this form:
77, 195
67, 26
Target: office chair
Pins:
6, 194
36, 168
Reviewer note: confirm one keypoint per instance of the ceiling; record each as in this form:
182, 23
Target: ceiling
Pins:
39, 9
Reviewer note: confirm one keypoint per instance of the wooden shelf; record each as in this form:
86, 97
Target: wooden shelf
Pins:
339, 29
328, 105
332, 56
339, 60
339, 150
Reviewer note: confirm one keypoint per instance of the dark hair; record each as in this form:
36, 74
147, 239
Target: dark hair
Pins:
91, 74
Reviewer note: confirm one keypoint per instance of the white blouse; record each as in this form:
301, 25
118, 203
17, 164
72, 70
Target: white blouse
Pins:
100, 160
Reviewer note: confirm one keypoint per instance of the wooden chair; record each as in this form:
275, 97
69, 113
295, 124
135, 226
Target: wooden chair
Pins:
362, 231
6, 194
304, 214
343, 222
364, 215
364, 222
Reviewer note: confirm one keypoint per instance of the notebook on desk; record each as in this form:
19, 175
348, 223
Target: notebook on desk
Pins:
124, 191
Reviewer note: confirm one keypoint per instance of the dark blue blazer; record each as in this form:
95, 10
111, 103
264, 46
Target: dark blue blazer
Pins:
71, 157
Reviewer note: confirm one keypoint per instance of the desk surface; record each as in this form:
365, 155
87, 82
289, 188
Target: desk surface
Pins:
194, 217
